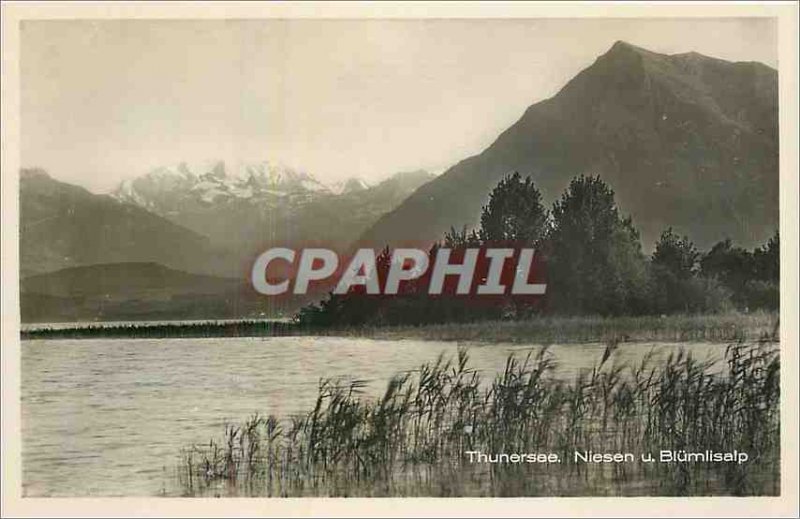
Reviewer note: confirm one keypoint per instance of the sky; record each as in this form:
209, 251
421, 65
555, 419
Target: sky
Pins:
103, 101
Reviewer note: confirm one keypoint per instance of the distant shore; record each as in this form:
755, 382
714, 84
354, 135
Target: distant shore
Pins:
670, 328
725, 327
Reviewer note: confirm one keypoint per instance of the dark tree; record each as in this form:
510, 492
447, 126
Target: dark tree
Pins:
594, 260
732, 265
675, 286
753, 278
767, 260
514, 213
454, 239
676, 255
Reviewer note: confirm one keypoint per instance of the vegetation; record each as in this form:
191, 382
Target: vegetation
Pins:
414, 440
594, 268
514, 213
720, 328
752, 278
593, 261
594, 258
167, 330
723, 327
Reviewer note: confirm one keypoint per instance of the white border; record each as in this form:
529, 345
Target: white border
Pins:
784, 506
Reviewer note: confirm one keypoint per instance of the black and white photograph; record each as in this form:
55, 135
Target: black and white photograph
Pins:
397, 256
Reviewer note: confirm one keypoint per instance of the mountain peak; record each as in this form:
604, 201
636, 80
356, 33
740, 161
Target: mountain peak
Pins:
621, 49
349, 185
684, 140
210, 181
623, 52
621, 45
34, 173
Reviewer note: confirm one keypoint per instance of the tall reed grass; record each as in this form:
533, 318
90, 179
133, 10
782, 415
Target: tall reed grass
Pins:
413, 440
733, 326
722, 327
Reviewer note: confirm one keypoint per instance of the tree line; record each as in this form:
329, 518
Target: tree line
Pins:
594, 266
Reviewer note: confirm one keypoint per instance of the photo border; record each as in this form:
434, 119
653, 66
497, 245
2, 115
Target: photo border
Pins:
15, 505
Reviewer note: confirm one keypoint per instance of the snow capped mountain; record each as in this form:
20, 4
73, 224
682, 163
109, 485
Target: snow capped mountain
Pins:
167, 188
351, 185
245, 205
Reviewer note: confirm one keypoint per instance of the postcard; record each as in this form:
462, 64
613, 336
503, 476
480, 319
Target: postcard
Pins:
393, 260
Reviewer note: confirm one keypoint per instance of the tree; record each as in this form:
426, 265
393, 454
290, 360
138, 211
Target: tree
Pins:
353, 308
454, 239
674, 268
594, 258
732, 266
514, 213
767, 260
676, 255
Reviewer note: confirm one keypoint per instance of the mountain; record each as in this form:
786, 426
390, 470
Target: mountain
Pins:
136, 291
685, 140
248, 207
62, 225
351, 185
173, 189
85, 256
206, 221
124, 280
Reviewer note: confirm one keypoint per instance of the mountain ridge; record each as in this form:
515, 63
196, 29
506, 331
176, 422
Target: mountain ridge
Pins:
139, 291
255, 205
63, 225
698, 134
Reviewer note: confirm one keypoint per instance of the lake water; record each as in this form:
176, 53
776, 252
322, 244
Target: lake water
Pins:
109, 417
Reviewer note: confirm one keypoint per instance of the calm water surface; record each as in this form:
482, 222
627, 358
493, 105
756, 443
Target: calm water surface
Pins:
109, 417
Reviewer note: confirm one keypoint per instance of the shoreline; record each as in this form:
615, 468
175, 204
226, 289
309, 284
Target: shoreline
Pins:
732, 326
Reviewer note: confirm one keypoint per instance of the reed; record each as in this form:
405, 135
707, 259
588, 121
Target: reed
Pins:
724, 327
413, 440
174, 330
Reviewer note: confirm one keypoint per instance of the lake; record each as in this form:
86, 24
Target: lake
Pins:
109, 417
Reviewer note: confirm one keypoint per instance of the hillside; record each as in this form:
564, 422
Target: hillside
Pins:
139, 291
62, 225
685, 140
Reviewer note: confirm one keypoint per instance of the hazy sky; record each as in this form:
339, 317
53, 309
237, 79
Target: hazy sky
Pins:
107, 100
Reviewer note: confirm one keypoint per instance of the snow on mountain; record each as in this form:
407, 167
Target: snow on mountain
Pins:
245, 206
168, 187
350, 185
